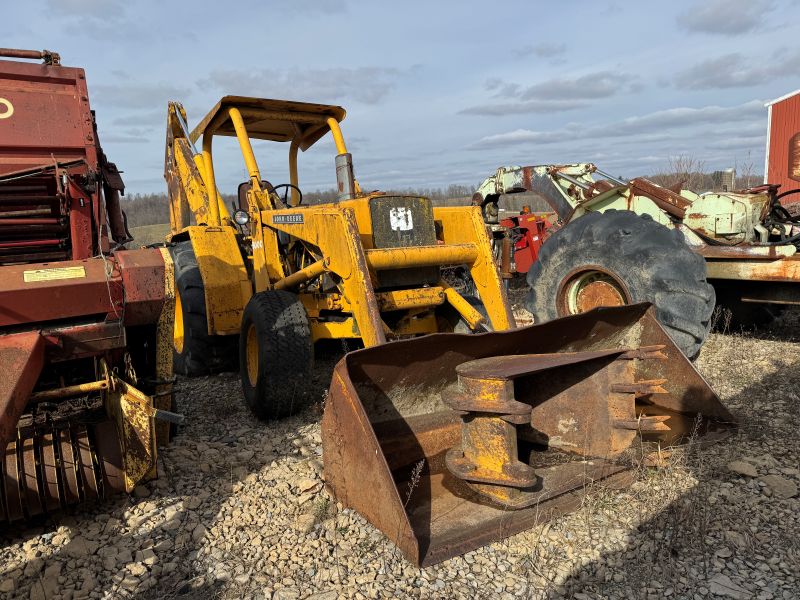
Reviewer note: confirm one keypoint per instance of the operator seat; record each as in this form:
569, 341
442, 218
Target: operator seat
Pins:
246, 186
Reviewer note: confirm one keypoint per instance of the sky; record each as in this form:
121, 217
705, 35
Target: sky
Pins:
438, 92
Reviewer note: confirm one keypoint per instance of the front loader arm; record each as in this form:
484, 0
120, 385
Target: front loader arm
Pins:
456, 230
335, 232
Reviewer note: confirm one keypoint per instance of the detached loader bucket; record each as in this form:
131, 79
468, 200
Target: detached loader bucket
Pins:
448, 442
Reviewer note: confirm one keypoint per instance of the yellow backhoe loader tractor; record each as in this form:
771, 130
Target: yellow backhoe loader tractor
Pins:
459, 422
286, 275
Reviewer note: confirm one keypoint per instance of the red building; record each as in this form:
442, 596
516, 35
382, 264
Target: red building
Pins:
782, 161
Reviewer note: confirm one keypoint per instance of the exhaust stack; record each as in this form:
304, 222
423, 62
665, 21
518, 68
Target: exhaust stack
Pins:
345, 179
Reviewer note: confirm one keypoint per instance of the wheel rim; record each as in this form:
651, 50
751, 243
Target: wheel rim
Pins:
251, 347
177, 327
590, 288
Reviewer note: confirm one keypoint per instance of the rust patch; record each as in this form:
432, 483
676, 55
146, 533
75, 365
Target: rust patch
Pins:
666, 199
21, 361
381, 427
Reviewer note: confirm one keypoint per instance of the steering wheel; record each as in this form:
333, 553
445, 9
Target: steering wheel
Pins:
289, 186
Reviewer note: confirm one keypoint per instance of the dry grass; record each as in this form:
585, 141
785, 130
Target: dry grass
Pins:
148, 234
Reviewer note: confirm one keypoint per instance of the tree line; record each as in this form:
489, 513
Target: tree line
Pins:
690, 173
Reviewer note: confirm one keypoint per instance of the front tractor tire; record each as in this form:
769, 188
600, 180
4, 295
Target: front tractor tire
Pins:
619, 257
195, 351
276, 355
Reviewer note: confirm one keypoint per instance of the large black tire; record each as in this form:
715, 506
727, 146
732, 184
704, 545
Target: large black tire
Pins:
200, 353
646, 261
275, 379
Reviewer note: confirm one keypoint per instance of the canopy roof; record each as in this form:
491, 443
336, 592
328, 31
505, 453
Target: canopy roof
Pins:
275, 120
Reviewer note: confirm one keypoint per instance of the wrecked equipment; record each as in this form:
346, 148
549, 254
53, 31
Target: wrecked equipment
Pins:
449, 442
85, 325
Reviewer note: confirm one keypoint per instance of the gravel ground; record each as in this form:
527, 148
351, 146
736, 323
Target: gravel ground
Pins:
240, 511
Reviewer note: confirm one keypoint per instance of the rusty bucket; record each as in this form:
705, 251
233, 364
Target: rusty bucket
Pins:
448, 442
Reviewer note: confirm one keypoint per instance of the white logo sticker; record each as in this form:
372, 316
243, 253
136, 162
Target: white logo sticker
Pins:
400, 219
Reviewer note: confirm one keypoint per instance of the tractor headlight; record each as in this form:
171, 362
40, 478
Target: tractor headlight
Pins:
242, 217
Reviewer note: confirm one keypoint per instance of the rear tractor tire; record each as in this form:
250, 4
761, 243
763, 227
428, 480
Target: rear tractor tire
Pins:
276, 355
195, 351
617, 258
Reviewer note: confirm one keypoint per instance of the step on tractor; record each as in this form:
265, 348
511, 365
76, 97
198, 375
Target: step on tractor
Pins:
607, 241
85, 325
447, 441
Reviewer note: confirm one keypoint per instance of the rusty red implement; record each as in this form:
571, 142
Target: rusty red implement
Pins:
83, 320
469, 439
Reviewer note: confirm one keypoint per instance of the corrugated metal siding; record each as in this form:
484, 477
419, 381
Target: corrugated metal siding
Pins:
785, 128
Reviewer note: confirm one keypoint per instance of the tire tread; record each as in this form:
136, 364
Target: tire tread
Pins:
284, 333
644, 254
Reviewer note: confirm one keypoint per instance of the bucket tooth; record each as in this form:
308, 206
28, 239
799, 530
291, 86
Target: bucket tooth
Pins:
645, 423
646, 353
640, 388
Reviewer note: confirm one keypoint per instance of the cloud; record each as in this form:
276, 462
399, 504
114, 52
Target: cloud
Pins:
148, 119
724, 17
655, 126
682, 117
138, 95
309, 7
735, 70
105, 21
94, 9
519, 136
543, 50
369, 85
593, 85
739, 142
552, 95
524, 107
116, 138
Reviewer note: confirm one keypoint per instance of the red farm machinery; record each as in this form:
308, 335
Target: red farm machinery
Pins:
85, 324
